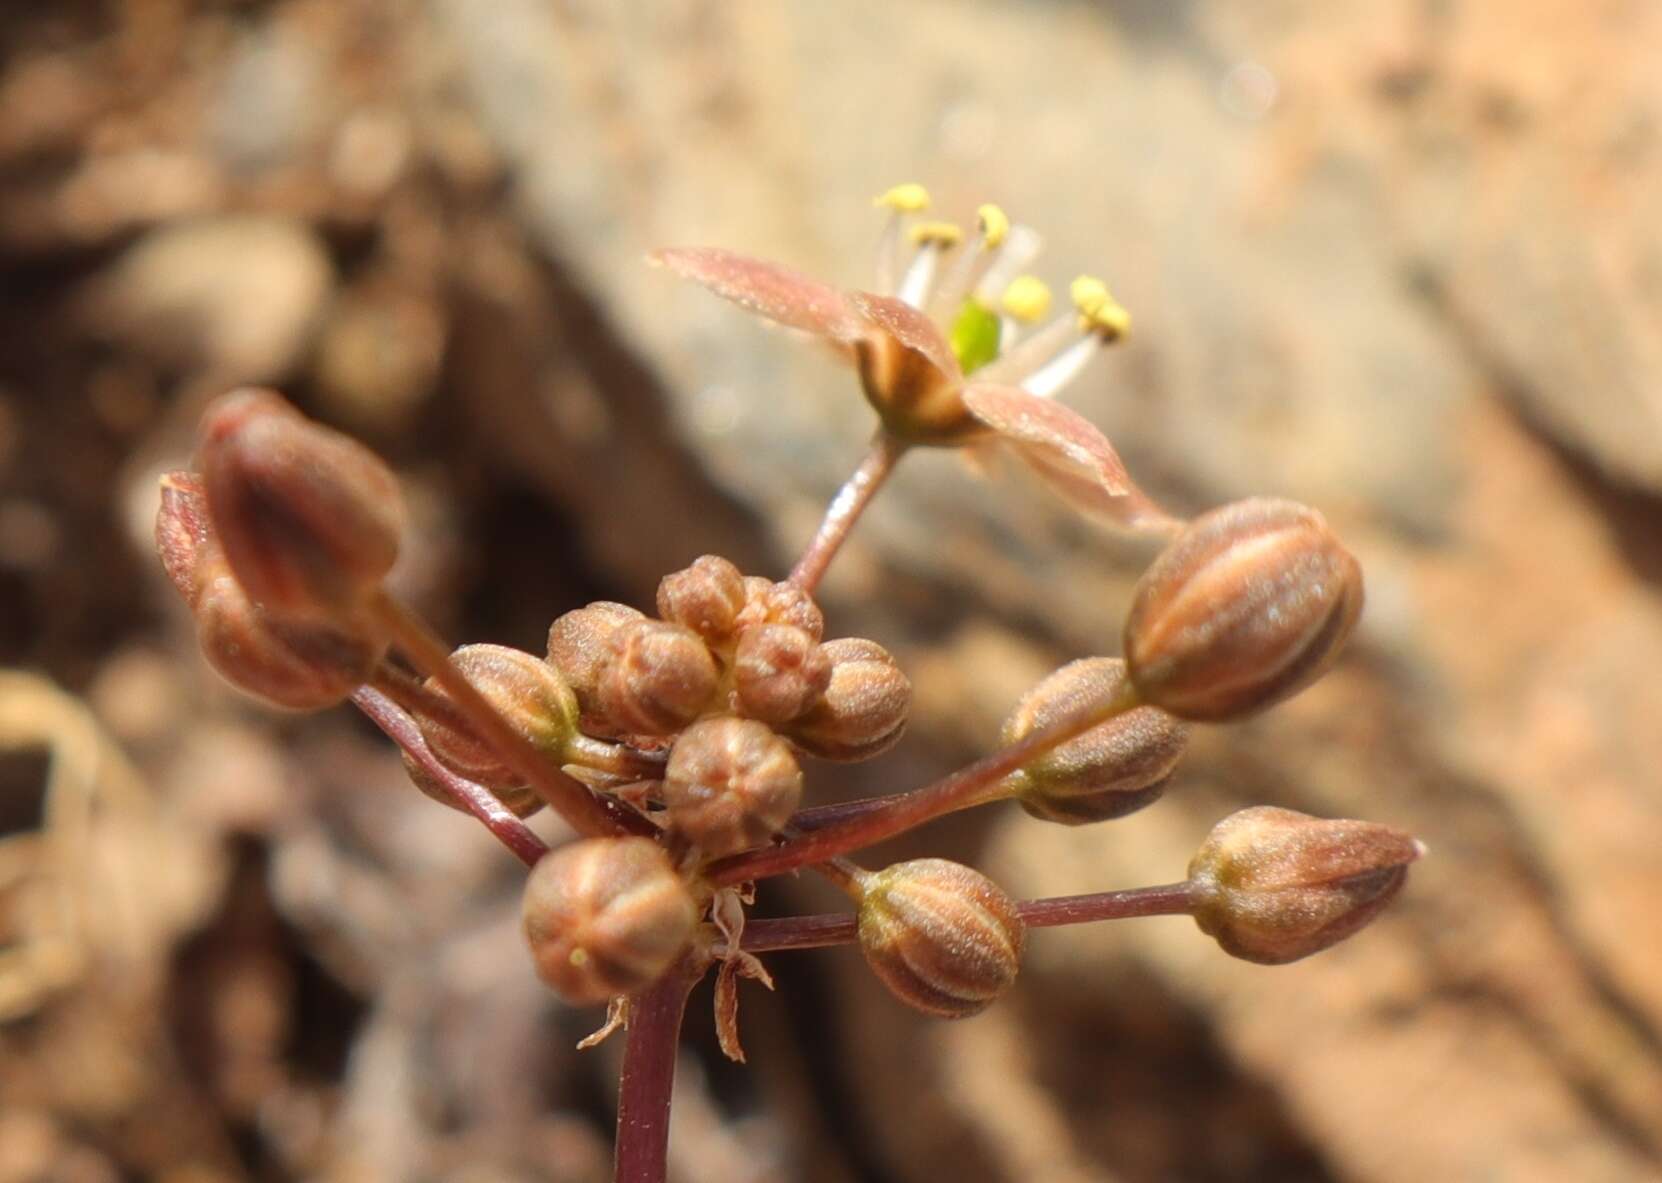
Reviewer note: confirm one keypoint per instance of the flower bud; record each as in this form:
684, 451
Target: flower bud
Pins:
521, 800
1272, 885
778, 673
1247, 606
606, 916
1111, 770
297, 665
863, 710
943, 938
579, 646
525, 690
730, 784
706, 597
309, 520
767, 602
658, 677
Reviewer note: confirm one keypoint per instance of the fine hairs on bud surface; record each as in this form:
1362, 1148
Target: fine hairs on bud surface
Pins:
1249, 605
1115, 768
779, 673
944, 938
606, 916
730, 784
527, 691
309, 519
863, 710
1274, 885
580, 645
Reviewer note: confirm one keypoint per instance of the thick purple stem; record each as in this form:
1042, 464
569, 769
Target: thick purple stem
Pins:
649, 1075
475, 798
845, 509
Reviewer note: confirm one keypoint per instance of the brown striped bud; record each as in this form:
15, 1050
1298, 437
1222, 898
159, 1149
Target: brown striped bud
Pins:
863, 710
526, 691
297, 665
300, 666
1247, 606
1111, 770
580, 644
1272, 885
309, 520
943, 938
521, 800
606, 916
730, 784
706, 597
767, 602
779, 673
658, 677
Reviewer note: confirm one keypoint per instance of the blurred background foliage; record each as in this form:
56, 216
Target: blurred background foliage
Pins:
1399, 260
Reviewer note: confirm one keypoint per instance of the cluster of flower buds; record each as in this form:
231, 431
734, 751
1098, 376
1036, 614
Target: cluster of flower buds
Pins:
674, 743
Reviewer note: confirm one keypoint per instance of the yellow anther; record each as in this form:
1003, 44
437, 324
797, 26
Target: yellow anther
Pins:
995, 224
1027, 299
942, 234
910, 198
1098, 309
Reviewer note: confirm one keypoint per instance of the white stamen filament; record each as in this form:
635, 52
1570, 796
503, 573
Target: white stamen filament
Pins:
888, 252
1016, 361
920, 276
1064, 367
1021, 246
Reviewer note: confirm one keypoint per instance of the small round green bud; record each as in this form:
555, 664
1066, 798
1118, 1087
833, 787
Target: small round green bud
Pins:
309, 519
1273, 885
943, 938
706, 597
580, 644
1248, 605
779, 673
521, 800
767, 602
730, 785
606, 916
863, 710
1111, 770
525, 690
658, 677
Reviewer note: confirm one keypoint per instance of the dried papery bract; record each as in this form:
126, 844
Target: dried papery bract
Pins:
943, 938
779, 673
1273, 885
1250, 604
657, 678
309, 519
863, 710
1115, 768
705, 597
606, 916
525, 690
730, 784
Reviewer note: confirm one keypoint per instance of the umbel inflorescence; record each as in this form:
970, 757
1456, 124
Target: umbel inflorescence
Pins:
677, 745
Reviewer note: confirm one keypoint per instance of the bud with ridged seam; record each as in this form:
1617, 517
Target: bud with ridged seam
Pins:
1273, 885
606, 916
943, 938
730, 785
1247, 606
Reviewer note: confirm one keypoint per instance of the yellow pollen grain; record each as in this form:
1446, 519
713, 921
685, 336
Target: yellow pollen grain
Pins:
942, 234
995, 225
910, 198
1027, 299
579, 957
1098, 310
